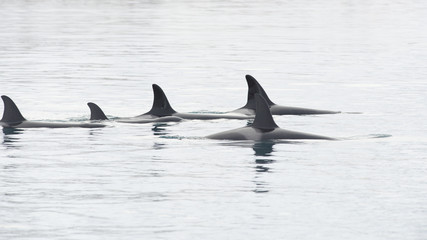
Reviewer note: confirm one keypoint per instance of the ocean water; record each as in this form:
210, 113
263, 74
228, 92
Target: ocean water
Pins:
166, 181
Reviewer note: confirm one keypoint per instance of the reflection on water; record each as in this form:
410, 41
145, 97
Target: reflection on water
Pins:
158, 146
95, 131
261, 187
263, 156
11, 135
260, 168
159, 129
264, 161
262, 149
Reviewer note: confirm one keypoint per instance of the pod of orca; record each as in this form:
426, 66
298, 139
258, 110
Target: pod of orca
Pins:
258, 107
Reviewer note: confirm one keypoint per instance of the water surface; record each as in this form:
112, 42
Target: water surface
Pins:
165, 181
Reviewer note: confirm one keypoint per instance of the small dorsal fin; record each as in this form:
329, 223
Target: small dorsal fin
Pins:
263, 118
96, 112
255, 87
161, 106
11, 113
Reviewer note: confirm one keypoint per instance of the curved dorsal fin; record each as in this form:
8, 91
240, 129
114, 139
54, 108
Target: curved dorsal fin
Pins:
11, 113
161, 106
255, 87
263, 118
96, 112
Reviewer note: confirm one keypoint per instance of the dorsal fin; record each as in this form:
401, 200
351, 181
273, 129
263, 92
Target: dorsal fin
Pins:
11, 113
263, 118
96, 112
255, 87
161, 106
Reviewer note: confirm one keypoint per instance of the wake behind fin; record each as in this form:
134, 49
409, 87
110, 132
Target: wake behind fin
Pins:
11, 113
161, 106
263, 118
255, 87
96, 112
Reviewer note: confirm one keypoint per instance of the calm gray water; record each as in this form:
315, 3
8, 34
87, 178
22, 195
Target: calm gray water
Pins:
168, 182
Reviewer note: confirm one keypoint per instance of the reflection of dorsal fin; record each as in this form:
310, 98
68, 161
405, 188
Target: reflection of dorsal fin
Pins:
11, 113
255, 87
96, 112
161, 106
263, 119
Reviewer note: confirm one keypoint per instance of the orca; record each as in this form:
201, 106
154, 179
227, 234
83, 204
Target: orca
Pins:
96, 113
162, 108
263, 127
249, 109
12, 118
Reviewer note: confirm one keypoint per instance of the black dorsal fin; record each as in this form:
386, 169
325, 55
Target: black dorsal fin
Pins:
11, 113
96, 112
255, 87
161, 106
263, 118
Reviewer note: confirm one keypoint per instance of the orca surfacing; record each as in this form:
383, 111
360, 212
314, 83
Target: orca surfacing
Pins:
263, 127
249, 109
96, 113
162, 111
12, 118
161, 107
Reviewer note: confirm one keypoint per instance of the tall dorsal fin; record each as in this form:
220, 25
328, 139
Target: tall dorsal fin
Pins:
255, 87
161, 106
11, 113
263, 118
96, 112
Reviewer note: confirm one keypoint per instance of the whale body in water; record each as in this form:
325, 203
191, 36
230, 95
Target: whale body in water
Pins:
263, 127
96, 113
161, 107
162, 111
12, 118
249, 109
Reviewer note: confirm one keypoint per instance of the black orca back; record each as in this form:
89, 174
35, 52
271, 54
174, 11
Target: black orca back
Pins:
11, 113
